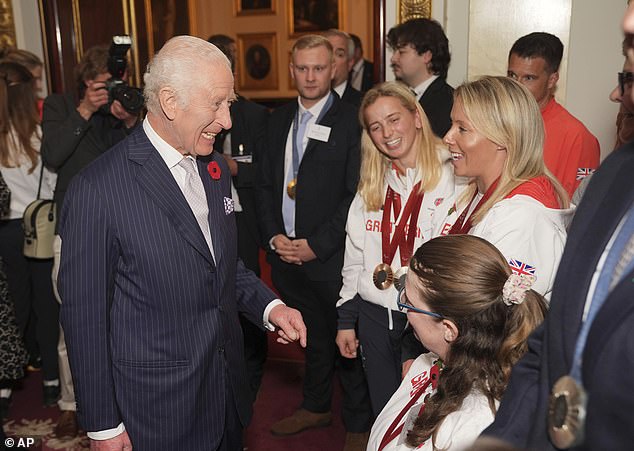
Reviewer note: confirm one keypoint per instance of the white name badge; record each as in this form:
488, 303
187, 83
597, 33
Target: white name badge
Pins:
243, 158
319, 132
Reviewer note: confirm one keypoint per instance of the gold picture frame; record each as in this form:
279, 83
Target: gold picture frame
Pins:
413, 9
254, 7
306, 16
257, 63
7, 25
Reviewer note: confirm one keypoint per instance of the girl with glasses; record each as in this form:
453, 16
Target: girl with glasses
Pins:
474, 316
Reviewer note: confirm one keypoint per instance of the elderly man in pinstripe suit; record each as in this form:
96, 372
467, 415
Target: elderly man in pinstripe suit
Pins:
149, 275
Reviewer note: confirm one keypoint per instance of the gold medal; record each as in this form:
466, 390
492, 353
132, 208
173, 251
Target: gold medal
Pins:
399, 277
567, 413
290, 188
383, 277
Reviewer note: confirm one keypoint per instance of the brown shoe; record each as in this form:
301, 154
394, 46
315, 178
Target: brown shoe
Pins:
300, 420
66, 425
356, 441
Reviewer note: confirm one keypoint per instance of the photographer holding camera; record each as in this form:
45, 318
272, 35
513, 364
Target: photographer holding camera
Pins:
74, 133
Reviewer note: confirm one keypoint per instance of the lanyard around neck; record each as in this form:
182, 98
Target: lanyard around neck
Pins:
296, 159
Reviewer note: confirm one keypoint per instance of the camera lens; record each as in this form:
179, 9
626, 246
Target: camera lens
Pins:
131, 98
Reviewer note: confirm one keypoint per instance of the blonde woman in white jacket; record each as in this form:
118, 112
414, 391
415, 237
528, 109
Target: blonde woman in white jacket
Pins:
513, 201
405, 175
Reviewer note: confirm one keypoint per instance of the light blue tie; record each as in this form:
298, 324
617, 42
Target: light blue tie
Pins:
301, 131
618, 263
288, 204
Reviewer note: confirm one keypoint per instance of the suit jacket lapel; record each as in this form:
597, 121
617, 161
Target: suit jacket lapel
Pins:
159, 184
618, 307
281, 148
606, 214
328, 120
432, 88
216, 202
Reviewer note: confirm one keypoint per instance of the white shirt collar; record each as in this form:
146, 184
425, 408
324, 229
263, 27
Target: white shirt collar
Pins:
358, 65
315, 110
420, 89
341, 88
170, 155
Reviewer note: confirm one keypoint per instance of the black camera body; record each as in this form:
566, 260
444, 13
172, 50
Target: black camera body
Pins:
118, 89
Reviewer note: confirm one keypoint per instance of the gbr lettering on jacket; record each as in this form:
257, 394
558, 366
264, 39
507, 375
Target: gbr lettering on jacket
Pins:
372, 225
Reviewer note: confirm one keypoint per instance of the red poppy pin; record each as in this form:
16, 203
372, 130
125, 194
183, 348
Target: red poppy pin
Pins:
214, 170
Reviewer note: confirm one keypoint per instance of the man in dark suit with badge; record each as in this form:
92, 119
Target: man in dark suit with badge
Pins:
574, 388
421, 59
150, 278
308, 177
241, 147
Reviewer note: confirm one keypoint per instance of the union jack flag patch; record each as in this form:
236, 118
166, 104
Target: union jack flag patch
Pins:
520, 268
582, 173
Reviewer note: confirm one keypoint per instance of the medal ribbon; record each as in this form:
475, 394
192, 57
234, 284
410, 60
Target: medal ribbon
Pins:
608, 278
393, 431
410, 212
462, 227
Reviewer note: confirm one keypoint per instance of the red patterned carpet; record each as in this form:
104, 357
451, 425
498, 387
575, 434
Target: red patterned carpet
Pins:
29, 419
279, 396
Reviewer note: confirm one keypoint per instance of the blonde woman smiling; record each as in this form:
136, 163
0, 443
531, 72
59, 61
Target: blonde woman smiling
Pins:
405, 175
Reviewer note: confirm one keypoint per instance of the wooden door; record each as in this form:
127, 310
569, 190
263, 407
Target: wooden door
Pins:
72, 26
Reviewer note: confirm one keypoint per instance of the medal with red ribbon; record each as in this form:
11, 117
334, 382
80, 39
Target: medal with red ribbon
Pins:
462, 226
383, 275
393, 431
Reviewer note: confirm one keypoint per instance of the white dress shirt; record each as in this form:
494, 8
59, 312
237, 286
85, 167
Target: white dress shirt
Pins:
420, 89
23, 182
315, 110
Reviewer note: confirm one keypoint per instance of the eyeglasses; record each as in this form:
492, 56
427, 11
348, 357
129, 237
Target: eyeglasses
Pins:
625, 78
404, 305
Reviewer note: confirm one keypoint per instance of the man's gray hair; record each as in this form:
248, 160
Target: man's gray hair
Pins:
178, 66
344, 35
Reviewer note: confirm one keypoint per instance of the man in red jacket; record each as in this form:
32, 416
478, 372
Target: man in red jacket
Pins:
571, 152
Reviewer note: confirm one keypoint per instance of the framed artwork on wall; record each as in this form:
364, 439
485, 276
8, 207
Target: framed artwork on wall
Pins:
7, 26
167, 20
253, 7
257, 61
312, 16
413, 9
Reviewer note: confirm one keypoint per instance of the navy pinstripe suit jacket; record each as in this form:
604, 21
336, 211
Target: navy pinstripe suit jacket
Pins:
151, 321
